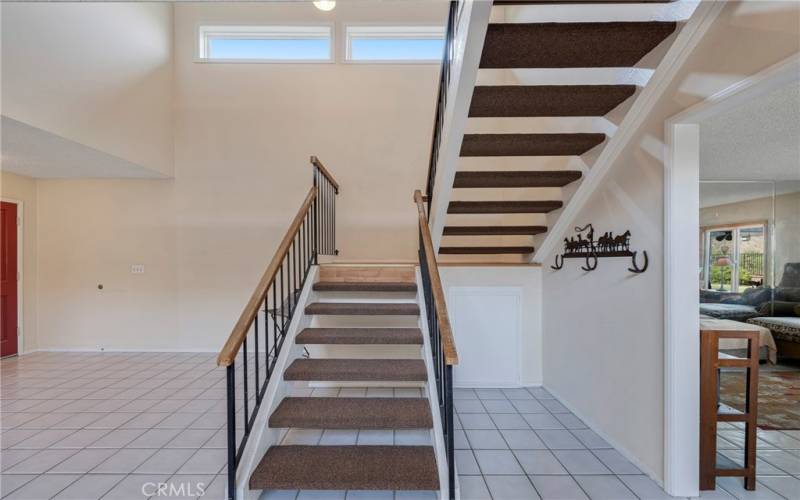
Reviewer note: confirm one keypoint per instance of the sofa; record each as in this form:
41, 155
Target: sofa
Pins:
782, 316
756, 302
786, 332
734, 306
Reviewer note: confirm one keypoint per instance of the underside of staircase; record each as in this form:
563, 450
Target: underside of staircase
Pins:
363, 336
527, 146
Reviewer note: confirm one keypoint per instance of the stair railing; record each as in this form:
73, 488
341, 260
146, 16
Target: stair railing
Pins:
441, 100
443, 347
270, 310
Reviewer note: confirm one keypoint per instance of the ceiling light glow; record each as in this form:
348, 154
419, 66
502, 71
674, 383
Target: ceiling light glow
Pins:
326, 5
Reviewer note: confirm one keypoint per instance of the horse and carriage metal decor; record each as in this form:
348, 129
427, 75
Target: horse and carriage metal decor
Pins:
607, 245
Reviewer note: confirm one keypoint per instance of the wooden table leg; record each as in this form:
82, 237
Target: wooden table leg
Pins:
708, 411
751, 407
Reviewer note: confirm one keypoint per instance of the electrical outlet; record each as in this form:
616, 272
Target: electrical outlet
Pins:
137, 269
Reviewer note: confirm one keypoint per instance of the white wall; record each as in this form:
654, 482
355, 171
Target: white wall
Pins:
485, 281
99, 74
603, 331
243, 134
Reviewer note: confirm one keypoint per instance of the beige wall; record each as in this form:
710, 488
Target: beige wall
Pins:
243, 136
603, 331
23, 190
99, 74
786, 224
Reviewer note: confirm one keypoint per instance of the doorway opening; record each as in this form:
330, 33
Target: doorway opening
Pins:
723, 238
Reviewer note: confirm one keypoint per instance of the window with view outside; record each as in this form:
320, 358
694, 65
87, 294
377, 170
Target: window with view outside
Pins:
266, 43
394, 43
735, 258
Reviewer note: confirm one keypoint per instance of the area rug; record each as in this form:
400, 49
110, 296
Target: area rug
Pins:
778, 396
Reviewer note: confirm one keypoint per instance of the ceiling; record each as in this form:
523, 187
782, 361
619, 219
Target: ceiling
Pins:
759, 140
31, 151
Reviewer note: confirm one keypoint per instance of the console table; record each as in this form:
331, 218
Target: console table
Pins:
710, 363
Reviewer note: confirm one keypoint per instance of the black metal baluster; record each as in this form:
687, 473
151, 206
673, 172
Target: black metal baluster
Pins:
266, 337
302, 253
255, 338
316, 229
294, 279
328, 215
275, 322
297, 266
230, 377
283, 301
450, 446
244, 377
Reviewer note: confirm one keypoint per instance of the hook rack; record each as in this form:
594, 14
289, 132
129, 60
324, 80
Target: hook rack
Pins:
608, 245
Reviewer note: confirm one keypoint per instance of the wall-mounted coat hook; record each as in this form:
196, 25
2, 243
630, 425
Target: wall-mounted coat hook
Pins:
590, 267
636, 269
584, 245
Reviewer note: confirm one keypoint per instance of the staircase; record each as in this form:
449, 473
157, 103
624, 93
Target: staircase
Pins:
377, 308
528, 144
339, 377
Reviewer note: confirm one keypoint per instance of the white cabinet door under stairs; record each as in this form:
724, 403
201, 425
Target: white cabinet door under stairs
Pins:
486, 326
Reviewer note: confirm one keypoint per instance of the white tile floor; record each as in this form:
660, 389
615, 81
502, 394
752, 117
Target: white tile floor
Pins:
524, 444
85, 426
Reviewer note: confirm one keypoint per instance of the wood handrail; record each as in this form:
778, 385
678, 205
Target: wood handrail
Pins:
445, 331
315, 161
239, 333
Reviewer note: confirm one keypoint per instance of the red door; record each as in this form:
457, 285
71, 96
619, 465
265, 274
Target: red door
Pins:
8, 279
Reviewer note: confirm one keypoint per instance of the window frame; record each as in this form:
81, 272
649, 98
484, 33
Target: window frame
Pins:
206, 32
735, 229
375, 31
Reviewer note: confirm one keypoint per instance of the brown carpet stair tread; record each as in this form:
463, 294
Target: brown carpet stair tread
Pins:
363, 308
516, 179
547, 100
493, 230
529, 144
571, 45
360, 336
484, 250
503, 207
364, 286
353, 413
357, 370
347, 468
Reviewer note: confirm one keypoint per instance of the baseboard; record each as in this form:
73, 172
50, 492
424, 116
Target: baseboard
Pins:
593, 426
491, 385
